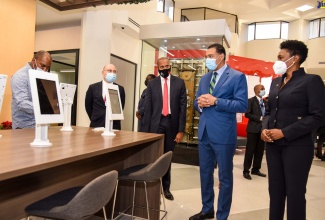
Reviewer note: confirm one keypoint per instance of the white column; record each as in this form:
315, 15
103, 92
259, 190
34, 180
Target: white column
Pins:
95, 51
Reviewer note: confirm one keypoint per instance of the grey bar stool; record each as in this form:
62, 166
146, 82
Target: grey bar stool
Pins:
145, 173
77, 202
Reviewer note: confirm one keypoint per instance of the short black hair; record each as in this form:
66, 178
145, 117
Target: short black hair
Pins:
219, 48
295, 47
151, 75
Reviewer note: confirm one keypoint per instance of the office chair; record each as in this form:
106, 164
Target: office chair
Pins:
145, 173
77, 202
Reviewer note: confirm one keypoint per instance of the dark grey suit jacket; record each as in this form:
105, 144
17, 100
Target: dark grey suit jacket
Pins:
254, 114
95, 105
154, 101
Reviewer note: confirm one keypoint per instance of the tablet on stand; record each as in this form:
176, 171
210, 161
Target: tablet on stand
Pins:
67, 96
114, 109
47, 104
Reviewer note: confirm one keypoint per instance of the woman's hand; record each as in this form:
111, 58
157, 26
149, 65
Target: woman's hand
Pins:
271, 135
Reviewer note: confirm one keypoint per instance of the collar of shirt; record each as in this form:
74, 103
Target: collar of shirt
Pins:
220, 72
259, 100
104, 86
162, 79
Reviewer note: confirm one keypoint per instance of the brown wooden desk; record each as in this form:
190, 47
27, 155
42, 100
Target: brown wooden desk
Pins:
29, 173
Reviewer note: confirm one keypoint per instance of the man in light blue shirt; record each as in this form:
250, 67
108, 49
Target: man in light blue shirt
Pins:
22, 109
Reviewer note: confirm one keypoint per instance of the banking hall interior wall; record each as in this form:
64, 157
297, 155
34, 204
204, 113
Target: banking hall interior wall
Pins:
268, 49
121, 44
17, 22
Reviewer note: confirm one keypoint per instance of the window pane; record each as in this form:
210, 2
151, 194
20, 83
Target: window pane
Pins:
322, 27
193, 14
169, 9
267, 30
251, 30
160, 5
284, 30
313, 29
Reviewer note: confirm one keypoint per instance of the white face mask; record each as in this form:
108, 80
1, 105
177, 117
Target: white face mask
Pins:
280, 67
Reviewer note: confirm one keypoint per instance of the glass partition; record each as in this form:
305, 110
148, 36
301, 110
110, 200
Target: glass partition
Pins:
195, 14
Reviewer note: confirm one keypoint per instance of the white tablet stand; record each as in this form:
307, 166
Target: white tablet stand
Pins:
67, 103
67, 94
41, 136
108, 123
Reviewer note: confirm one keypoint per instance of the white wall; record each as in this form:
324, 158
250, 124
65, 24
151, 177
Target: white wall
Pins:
58, 39
266, 50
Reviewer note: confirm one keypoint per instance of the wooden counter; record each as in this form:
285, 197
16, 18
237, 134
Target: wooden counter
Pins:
30, 173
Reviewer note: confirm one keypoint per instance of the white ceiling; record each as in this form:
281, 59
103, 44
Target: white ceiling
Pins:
248, 11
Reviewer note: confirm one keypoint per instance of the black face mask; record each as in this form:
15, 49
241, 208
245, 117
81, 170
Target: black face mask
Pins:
164, 73
146, 82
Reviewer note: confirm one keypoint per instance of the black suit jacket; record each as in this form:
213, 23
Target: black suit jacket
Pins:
95, 105
254, 114
154, 102
297, 108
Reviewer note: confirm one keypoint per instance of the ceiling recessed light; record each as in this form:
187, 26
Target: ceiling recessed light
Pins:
198, 39
203, 46
304, 8
165, 41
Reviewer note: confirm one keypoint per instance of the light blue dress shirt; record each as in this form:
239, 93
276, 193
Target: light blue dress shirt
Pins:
22, 110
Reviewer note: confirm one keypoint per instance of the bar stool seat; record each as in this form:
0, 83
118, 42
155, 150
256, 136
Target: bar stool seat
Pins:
76, 203
145, 173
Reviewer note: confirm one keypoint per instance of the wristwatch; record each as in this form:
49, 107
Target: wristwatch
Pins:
216, 101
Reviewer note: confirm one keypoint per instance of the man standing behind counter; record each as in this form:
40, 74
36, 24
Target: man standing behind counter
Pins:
95, 98
165, 111
221, 94
22, 109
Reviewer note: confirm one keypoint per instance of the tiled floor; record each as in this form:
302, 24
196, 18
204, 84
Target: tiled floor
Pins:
250, 197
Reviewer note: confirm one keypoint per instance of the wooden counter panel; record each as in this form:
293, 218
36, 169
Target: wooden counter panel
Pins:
74, 159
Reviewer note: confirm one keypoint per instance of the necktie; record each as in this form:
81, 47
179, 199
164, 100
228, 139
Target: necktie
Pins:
262, 107
213, 82
165, 99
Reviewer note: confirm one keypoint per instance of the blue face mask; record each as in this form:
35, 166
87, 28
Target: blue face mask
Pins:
262, 93
110, 77
211, 63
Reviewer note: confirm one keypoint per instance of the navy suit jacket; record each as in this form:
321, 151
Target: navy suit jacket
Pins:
95, 105
154, 102
254, 114
298, 108
220, 121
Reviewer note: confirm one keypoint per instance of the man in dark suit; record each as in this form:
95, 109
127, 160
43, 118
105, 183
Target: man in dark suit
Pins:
95, 98
255, 145
221, 94
165, 111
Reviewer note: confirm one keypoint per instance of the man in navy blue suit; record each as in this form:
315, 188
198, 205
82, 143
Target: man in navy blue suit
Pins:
222, 93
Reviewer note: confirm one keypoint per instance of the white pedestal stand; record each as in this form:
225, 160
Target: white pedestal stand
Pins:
108, 123
109, 129
41, 136
67, 103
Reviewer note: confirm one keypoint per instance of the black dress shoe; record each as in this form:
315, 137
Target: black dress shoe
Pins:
202, 216
323, 158
247, 176
258, 173
168, 195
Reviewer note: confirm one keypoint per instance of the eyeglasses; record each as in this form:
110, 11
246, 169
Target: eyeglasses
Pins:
164, 67
109, 71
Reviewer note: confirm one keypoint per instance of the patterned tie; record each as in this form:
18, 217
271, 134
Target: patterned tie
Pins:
262, 107
213, 81
165, 99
